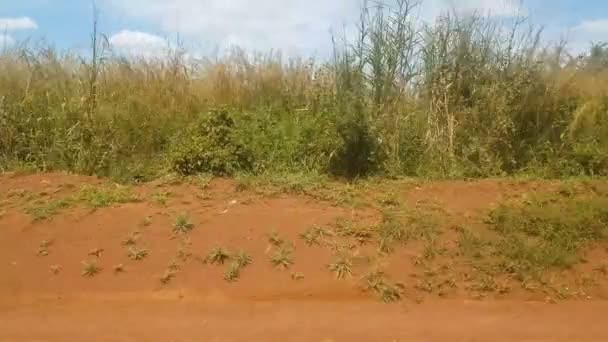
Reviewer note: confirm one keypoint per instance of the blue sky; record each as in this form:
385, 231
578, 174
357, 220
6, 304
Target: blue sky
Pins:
301, 26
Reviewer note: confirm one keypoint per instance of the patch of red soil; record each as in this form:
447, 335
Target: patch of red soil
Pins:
47, 298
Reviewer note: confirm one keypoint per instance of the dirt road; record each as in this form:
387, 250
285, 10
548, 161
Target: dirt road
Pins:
169, 318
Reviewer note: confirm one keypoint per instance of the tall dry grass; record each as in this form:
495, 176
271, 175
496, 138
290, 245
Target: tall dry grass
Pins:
461, 97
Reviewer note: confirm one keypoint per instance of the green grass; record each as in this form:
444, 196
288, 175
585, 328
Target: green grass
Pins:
92, 196
234, 272
161, 197
533, 240
283, 257
243, 259
90, 269
401, 226
131, 239
102, 197
341, 267
136, 253
44, 209
547, 232
315, 236
183, 224
377, 283
275, 240
217, 256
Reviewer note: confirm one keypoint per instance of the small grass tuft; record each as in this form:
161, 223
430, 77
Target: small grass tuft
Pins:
387, 292
234, 272
183, 224
55, 269
96, 252
102, 197
167, 277
43, 248
314, 235
43, 210
147, 221
297, 276
90, 269
131, 239
283, 257
243, 259
217, 256
275, 240
138, 254
161, 197
342, 267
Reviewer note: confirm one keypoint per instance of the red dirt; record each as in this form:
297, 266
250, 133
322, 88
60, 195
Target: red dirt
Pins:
265, 304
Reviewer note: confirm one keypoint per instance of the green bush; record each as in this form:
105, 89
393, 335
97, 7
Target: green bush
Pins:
211, 145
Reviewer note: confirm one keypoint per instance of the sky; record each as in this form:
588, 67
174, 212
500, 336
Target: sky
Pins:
144, 27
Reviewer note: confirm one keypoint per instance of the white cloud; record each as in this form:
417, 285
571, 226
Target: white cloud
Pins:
501, 8
582, 35
136, 43
303, 25
14, 24
597, 27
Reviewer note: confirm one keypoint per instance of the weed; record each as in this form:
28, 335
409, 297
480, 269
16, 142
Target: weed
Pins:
310, 238
90, 269
341, 267
182, 225
183, 253
55, 269
43, 248
546, 233
387, 292
174, 266
167, 276
161, 197
101, 197
363, 237
275, 240
315, 235
96, 252
146, 221
131, 239
390, 200
136, 253
45, 210
283, 257
243, 259
217, 256
297, 276
233, 272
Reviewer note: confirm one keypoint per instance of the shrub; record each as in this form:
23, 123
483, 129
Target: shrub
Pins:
211, 145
